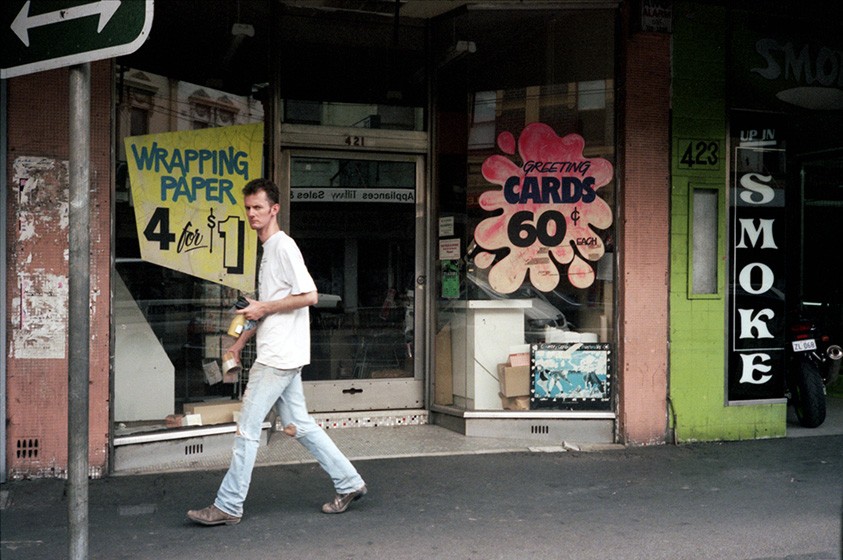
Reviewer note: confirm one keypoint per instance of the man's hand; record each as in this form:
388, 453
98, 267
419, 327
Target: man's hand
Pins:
236, 348
240, 343
255, 311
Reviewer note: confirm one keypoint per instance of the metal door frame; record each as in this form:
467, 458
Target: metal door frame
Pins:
371, 394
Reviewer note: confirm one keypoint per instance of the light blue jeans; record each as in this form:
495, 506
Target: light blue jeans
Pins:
282, 389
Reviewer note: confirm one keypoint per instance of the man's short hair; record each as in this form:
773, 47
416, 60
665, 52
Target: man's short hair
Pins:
265, 185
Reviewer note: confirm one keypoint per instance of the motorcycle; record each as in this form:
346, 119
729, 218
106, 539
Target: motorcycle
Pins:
813, 365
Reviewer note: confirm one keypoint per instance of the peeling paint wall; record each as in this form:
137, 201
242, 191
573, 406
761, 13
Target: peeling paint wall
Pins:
39, 316
39, 312
37, 262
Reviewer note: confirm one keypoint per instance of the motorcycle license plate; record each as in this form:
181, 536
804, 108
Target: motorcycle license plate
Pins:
804, 345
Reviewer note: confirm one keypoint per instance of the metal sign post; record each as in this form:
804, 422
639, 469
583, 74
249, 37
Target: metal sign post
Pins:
79, 310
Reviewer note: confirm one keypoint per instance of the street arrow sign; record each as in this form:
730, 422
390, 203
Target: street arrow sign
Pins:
24, 22
45, 34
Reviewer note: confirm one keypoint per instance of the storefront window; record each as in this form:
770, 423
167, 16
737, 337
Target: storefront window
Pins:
347, 68
171, 318
353, 115
525, 185
354, 215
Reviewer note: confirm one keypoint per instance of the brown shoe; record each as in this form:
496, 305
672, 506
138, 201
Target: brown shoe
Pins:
341, 502
212, 515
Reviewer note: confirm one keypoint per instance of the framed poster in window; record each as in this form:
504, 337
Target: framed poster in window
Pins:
572, 376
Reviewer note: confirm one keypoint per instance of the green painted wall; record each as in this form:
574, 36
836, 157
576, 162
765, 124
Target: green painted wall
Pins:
698, 322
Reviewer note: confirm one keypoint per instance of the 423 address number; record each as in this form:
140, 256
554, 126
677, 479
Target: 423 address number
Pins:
699, 154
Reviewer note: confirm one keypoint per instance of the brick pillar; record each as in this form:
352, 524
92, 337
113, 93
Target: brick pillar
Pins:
37, 261
643, 237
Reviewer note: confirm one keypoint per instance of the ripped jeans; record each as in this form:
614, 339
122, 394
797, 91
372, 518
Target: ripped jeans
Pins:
282, 389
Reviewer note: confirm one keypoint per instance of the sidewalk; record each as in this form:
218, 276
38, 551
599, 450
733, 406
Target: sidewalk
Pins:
770, 499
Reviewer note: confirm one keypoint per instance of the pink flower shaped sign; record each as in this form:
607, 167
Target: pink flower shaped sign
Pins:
549, 205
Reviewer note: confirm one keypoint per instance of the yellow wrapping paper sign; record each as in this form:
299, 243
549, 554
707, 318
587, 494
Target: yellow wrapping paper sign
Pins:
187, 192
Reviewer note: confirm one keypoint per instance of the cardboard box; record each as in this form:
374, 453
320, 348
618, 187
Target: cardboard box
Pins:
213, 375
191, 420
519, 355
443, 375
515, 380
515, 403
214, 413
520, 359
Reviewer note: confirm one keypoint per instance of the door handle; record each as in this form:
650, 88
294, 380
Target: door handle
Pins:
352, 391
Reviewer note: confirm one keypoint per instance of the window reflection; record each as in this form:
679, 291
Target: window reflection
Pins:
354, 220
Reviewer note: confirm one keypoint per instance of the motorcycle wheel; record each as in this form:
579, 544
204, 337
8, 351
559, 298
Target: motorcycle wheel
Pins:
808, 396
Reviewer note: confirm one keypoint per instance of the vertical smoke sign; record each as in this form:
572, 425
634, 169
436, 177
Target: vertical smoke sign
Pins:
757, 329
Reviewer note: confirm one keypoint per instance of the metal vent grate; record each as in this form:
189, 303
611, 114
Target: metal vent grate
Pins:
193, 449
540, 429
27, 448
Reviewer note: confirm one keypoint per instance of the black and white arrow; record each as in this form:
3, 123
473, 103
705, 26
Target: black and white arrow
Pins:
23, 22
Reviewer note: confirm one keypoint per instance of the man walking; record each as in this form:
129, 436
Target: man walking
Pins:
285, 291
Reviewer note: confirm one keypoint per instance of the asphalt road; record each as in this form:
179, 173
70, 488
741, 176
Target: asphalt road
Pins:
771, 499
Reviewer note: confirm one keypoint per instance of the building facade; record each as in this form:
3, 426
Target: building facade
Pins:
491, 198
756, 109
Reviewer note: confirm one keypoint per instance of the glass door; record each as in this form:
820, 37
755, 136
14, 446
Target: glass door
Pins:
356, 221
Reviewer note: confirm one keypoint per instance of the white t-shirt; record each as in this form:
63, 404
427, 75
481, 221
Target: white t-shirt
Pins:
283, 339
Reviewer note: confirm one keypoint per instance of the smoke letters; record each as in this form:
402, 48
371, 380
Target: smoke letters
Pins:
756, 359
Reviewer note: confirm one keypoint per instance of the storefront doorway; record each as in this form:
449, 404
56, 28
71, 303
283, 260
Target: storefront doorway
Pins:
821, 192
819, 293
355, 218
